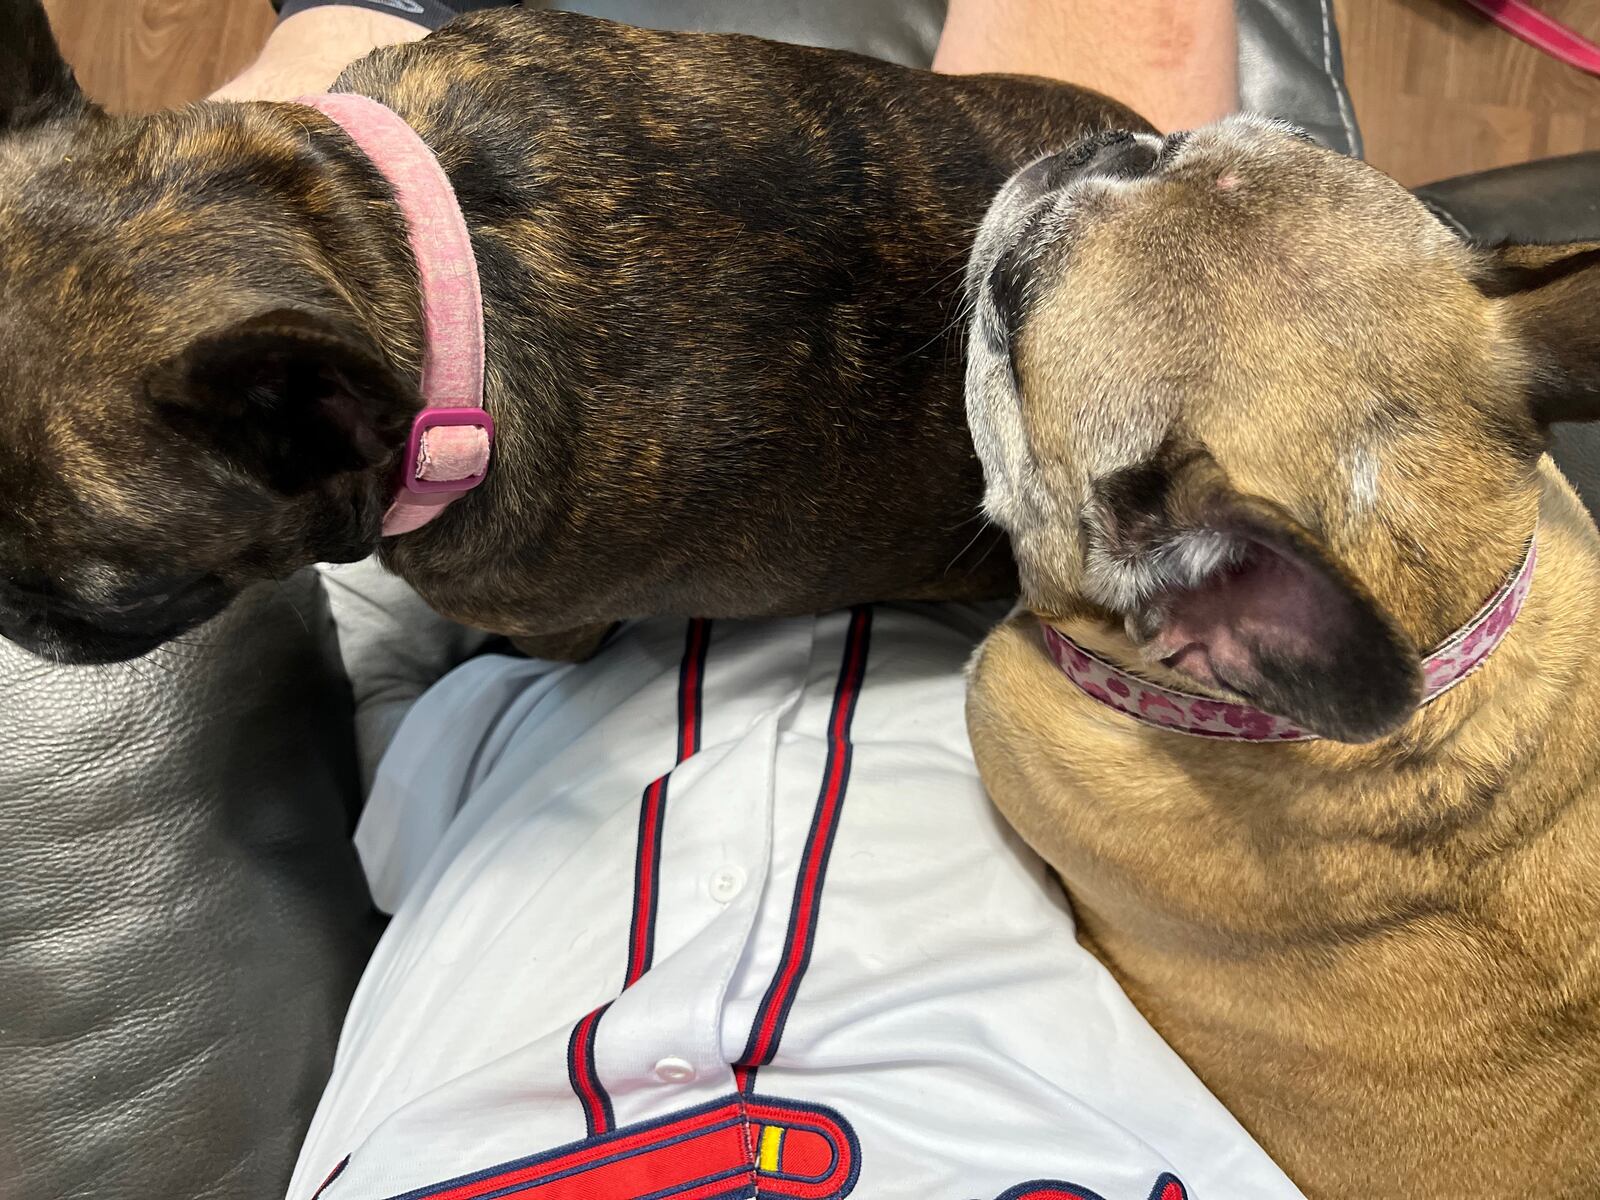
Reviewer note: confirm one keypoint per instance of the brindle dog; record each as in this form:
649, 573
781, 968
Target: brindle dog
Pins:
1262, 428
720, 281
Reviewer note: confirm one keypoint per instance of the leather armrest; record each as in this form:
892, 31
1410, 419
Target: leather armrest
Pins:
182, 917
1291, 66
1551, 200
1548, 200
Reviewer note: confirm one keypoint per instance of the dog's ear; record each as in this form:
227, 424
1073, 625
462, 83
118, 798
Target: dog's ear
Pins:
1551, 297
288, 397
1247, 600
35, 82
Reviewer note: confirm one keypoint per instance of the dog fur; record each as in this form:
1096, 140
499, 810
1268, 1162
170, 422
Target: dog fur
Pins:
721, 283
1261, 427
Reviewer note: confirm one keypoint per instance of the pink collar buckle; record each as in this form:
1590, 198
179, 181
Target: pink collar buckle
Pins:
1457, 657
452, 463
446, 456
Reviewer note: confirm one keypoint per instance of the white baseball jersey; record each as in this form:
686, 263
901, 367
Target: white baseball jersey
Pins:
725, 913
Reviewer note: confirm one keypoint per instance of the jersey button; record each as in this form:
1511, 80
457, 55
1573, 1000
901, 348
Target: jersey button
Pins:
675, 1070
727, 883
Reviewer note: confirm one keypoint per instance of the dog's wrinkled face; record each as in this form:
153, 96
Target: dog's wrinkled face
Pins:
1252, 401
175, 368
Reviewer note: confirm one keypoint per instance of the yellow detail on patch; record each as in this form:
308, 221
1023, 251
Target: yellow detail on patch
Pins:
771, 1148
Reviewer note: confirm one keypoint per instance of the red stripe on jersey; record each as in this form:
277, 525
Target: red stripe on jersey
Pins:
780, 997
646, 882
653, 807
691, 680
585, 1076
332, 1175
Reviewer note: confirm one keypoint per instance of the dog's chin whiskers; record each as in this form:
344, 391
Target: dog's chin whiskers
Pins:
963, 317
280, 592
154, 663
971, 542
189, 648
134, 667
960, 269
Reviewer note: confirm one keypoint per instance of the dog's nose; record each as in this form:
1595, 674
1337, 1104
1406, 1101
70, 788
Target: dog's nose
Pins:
1125, 158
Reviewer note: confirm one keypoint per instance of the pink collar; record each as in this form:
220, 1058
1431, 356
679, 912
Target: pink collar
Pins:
447, 454
1182, 712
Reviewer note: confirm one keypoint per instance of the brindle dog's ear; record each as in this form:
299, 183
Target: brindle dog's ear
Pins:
35, 82
1248, 600
1551, 294
288, 397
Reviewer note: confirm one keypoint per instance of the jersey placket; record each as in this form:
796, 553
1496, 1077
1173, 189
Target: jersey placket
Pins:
659, 1048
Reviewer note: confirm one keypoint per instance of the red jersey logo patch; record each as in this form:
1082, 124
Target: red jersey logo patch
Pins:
746, 1145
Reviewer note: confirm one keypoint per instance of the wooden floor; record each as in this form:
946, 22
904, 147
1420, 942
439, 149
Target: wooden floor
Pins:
1440, 91
1437, 89
138, 55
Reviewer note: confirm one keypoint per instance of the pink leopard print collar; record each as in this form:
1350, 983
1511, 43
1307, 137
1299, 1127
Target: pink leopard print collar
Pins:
1199, 716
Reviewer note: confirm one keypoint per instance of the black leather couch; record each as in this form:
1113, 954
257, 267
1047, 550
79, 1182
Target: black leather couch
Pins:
182, 919
1551, 200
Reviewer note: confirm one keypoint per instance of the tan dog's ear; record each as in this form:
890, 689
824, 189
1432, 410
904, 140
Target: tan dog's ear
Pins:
1247, 600
35, 82
287, 397
1552, 297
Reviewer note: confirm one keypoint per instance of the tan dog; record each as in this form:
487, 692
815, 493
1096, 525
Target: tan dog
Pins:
1263, 430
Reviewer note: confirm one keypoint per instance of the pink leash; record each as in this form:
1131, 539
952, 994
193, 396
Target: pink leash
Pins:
1521, 19
447, 454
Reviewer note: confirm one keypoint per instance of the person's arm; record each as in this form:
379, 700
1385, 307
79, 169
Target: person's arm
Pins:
308, 51
1173, 61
